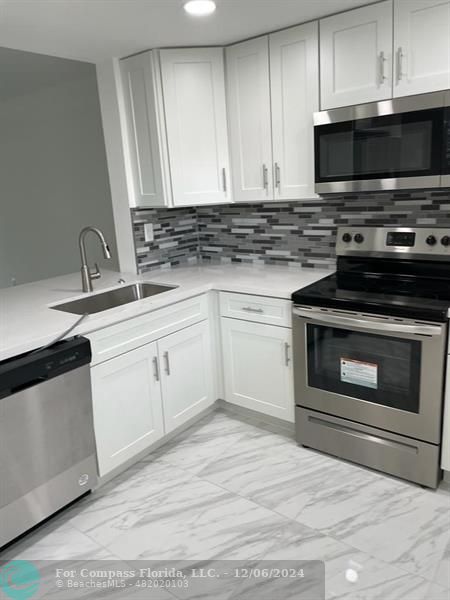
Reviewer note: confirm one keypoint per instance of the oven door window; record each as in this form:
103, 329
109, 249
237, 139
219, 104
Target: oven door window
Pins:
376, 368
400, 145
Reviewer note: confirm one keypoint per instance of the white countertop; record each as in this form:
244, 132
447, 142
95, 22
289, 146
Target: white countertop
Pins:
27, 322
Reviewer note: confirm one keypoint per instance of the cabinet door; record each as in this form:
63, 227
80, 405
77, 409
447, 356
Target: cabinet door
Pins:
421, 46
248, 90
258, 367
186, 374
356, 56
150, 187
126, 398
194, 99
294, 84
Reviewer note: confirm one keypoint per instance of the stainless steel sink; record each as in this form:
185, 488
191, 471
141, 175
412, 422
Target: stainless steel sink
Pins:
113, 298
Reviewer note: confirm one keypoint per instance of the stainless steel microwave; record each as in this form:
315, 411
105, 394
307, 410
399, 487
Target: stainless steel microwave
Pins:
395, 144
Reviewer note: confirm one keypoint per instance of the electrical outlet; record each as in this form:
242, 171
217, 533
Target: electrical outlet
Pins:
148, 232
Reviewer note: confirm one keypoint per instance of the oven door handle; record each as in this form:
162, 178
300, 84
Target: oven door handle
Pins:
372, 325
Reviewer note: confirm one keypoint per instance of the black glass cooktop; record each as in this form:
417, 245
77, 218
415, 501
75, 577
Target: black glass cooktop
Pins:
410, 291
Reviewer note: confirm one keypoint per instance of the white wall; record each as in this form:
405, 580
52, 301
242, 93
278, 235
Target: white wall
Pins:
53, 173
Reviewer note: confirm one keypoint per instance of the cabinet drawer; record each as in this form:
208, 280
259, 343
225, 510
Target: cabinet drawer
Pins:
123, 337
260, 309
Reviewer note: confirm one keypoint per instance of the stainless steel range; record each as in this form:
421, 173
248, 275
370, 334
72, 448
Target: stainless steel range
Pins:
370, 344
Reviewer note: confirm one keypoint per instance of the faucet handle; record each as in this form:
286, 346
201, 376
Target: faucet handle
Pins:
95, 274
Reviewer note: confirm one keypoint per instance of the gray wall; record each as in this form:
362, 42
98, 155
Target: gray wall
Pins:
53, 172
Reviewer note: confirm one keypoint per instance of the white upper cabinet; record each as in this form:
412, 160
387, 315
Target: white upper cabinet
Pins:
294, 85
248, 90
421, 46
145, 131
273, 90
195, 109
356, 56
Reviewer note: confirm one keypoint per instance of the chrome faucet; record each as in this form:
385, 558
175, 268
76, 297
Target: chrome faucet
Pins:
87, 276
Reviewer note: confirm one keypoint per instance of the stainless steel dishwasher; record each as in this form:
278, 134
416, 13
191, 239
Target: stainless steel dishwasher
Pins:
47, 446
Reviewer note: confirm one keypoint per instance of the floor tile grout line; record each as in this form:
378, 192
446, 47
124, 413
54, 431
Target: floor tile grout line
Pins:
350, 546
294, 519
286, 518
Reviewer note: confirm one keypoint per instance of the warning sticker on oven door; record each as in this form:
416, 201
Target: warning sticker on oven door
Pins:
359, 373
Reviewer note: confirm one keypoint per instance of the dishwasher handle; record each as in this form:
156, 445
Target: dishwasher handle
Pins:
29, 384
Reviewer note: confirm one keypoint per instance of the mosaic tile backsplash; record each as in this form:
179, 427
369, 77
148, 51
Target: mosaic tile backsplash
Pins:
175, 240
289, 233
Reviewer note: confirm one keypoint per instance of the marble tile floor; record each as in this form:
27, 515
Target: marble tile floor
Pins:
228, 488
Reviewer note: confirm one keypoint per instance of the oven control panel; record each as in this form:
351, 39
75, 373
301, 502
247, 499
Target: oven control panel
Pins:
426, 242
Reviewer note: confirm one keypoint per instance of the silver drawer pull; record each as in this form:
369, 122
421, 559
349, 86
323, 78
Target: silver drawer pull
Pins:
224, 179
277, 177
379, 327
381, 76
252, 310
286, 353
364, 436
166, 360
155, 368
265, 178
400, 56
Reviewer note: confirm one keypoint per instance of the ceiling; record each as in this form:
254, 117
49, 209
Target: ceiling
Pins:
94, 30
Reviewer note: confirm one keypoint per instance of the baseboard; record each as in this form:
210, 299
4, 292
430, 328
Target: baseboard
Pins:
272, 424
258, 419
144, 453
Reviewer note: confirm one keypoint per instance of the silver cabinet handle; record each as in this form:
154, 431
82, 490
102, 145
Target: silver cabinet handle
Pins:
350, 322
253, 310
381, 76
155, 368
286, 354
166, 360
265, 178
224, 179
400, 56
277, 176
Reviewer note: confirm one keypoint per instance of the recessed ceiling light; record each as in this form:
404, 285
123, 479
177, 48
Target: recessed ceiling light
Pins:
200, 8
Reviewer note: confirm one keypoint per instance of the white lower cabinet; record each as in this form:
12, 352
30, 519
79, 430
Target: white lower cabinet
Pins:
186, 374
141, 395
127, 405
257, 361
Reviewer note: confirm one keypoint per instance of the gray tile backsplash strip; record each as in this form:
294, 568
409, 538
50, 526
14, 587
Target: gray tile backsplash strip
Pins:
175, 240
289, 233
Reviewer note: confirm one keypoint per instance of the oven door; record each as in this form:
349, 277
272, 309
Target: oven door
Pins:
383, 372
377, 146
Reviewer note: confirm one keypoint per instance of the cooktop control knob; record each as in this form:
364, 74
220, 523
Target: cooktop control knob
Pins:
359, 238
346, 238
446, 240
431, 240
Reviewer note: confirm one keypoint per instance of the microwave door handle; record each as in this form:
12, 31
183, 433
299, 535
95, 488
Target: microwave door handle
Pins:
370, 325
